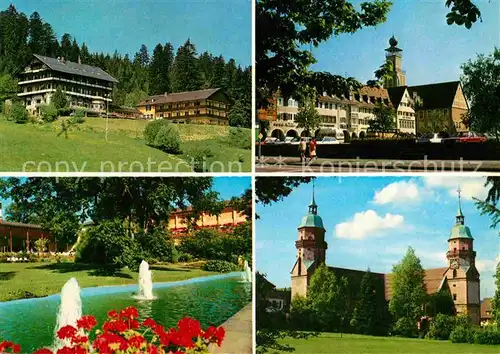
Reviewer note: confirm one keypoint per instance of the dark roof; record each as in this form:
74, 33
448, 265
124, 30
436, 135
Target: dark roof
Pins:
396, 94
19, 224
436, 96
179, 97
76, 69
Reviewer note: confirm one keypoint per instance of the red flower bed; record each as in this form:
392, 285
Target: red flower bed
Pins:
122, 332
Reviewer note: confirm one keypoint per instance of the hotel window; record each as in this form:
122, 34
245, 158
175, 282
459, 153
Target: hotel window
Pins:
148, 108
454, 297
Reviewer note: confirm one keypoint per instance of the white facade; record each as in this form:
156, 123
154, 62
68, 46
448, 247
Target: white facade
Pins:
406, 115
339, 116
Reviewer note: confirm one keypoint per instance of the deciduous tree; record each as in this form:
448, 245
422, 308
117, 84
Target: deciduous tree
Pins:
408, 293
384, 120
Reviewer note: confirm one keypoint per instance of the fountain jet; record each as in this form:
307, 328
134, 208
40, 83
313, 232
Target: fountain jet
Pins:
246, 275
70, 309
145, 283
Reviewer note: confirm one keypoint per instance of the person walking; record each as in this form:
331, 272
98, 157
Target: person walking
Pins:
312, 149
302, 149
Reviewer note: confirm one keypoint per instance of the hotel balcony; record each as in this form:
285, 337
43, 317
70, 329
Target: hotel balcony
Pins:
51, 78
71, 93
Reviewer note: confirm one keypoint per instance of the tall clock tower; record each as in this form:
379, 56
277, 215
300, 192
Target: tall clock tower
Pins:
462, 275
311, 249
395, 55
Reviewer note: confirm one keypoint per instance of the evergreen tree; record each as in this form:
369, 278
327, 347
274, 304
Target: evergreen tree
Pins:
66, 46
14, 29
365, 318
36, 30
75, 51
159, 68
142, 57
84, 54
218, 72
59, 99
186, 75
240, 115
408, 293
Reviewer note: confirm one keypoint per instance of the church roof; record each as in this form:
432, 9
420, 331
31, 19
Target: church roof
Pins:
436, 96
396, 94
433, 280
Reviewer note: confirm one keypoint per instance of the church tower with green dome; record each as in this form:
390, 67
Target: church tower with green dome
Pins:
311, 249
462, 275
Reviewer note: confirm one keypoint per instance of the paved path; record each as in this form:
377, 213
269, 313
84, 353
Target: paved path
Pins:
238, 333
293, 164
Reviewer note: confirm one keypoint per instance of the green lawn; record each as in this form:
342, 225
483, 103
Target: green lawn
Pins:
351, 343
21, 280
37, 147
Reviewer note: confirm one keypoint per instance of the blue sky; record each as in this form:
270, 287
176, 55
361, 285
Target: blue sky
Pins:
370, 222
219, 26
432, 50
229, 187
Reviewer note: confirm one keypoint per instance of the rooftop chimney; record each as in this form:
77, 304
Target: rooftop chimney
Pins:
62, 59
79, 59
166, 94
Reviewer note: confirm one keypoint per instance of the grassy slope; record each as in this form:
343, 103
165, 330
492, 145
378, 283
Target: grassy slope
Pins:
86, 146
42, 279
349, 343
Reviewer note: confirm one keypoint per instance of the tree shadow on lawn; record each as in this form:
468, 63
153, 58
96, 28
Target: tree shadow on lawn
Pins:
169, 269
7, 275
92, 269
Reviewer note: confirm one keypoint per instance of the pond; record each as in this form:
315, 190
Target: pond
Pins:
211, 300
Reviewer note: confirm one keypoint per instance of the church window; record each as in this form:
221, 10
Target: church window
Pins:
454, 297
454, 274
454, 285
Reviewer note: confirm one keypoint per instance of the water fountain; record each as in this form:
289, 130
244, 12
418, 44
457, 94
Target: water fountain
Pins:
145, 283
246, 275
70, 309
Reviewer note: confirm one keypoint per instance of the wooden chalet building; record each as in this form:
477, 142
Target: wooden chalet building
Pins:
16, 237
210, 106
86, 87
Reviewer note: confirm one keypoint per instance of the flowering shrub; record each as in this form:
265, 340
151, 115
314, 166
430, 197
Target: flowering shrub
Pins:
123, 333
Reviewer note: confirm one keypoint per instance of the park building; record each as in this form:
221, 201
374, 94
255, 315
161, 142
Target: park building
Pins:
210, 106
459, 276
86, 87
179, 226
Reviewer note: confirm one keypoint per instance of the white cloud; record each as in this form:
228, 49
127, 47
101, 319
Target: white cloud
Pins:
470, 186
403, 191
367, 223
487, 265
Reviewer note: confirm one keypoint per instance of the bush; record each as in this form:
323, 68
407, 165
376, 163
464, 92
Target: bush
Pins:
79, 116
441, 327
48, 113
461, 334
185, 257
163, 135
157, 245
109, 244
198, 158
239, 138
18, 113
406, 327
175, 254
220, 267
487, 335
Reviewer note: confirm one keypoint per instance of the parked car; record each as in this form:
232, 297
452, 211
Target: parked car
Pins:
472, 137
270, 140
465, 137
328, 140
434, 138
290, 139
